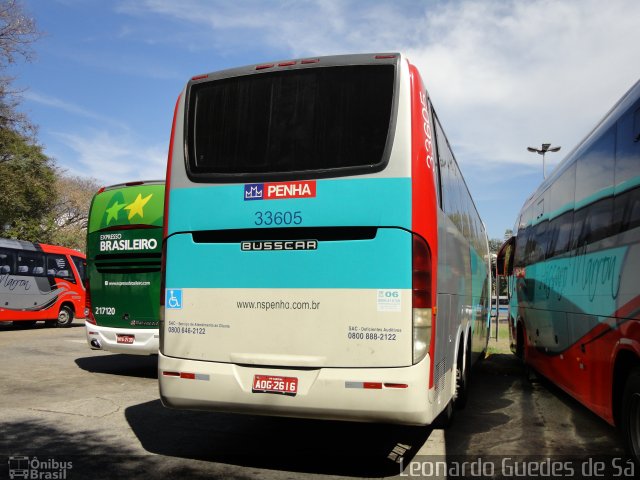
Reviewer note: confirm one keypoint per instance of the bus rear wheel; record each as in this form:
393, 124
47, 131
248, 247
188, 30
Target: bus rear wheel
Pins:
65, 317
631, 414
462, 379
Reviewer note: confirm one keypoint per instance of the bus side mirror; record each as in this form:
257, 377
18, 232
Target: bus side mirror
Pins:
504, 261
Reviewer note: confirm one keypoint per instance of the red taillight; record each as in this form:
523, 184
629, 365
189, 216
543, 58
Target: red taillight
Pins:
396, 385
101, 189
264, 66
287, 64
384, 57
88, 313
421, 273
200, 77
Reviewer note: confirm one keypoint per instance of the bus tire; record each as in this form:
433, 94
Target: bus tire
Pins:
462, 379
630, 420
65, 317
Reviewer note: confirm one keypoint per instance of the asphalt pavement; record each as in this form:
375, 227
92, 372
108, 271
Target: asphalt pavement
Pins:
90, 414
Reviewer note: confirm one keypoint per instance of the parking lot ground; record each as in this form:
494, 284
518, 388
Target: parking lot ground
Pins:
62, 402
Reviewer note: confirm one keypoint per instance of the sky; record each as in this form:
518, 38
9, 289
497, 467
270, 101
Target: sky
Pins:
502, 74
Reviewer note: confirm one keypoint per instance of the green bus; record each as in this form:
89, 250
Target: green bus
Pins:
124, 249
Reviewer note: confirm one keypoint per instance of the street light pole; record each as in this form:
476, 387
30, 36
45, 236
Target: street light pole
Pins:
546, 147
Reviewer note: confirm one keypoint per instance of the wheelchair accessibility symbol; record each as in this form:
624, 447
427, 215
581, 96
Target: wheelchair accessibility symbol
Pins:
173, 299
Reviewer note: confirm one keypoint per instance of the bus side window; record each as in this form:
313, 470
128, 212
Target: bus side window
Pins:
627, 199
594, 177
521, 244
7, 261
81, 267
58, 266
30, 264
435, 156
560, 234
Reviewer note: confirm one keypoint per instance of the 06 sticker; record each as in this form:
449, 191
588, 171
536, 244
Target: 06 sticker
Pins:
389, 301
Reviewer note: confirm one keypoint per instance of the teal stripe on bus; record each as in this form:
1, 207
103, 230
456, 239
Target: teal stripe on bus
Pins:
335, 264
342, 202
588, 282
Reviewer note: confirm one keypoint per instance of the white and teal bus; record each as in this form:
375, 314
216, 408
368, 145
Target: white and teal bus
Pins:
323, 257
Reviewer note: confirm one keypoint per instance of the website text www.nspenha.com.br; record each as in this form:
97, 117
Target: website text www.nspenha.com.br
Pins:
278, 305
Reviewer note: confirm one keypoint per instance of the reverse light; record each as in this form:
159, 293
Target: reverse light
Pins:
421, 287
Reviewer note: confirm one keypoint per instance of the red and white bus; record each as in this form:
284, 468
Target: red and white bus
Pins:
322, 254
573, 272
41, 282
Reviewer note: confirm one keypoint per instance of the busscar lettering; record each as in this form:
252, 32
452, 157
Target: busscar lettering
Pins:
269, 245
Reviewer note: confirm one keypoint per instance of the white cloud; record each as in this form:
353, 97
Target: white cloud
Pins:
503, 74
114, 158
111, 156
68, 107
505, 78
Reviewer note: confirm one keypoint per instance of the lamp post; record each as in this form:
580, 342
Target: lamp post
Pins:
546, 147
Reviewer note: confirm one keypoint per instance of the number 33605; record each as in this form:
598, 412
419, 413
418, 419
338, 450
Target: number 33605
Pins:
268, 217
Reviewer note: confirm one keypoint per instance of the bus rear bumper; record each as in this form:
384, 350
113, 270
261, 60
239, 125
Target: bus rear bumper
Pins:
386, 395
145, 340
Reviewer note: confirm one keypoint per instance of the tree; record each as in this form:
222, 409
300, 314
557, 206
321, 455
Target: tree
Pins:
27, 178
494, 245
71, 210
17, 33
27, 175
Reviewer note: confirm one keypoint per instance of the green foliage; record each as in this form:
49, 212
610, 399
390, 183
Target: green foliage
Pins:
27, 180
494, 245
29, 206
71, 210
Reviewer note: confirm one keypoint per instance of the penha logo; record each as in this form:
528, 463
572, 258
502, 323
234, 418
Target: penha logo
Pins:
280, 190
253, 191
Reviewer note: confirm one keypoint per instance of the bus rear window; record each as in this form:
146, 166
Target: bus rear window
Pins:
328, 121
